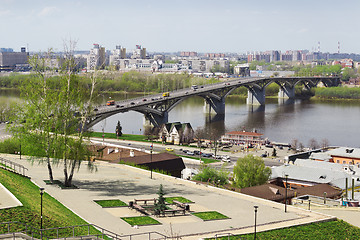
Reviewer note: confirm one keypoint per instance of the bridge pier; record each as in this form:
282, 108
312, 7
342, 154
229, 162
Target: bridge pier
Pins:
286, 92
213, 103
256, 96
157, 120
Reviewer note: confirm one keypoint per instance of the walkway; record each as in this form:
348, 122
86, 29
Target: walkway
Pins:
113, 181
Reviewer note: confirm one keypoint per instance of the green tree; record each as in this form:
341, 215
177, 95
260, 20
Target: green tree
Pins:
53, 117
118, 129
250, 171
160, 204
212, 175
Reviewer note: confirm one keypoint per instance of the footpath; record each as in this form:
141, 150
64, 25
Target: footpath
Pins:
117, 181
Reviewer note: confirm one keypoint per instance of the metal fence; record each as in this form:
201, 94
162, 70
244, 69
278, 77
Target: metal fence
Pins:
13, 166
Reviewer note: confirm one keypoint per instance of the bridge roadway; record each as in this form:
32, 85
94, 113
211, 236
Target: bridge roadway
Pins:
156, 107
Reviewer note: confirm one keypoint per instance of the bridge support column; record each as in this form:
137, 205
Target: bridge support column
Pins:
286, 92
157, 120
217, 105
256, 96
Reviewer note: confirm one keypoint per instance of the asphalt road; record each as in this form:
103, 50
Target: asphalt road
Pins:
190, 164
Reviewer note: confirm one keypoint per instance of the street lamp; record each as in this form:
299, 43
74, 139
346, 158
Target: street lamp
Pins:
151, 150
255, 209
286, 179
41, 208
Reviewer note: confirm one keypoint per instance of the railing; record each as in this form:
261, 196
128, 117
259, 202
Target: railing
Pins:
13, 166
93, 232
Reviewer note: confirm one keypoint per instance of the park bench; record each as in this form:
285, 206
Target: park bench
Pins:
139, 208
181, 205
145, 200
173, 211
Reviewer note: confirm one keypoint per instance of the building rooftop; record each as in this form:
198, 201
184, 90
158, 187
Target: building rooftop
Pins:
345, 152
244, 133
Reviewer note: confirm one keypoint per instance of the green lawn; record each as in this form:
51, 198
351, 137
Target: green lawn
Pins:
111, 203
179, 199
132, 137
54, 213
332, 230
212, 215
140, 221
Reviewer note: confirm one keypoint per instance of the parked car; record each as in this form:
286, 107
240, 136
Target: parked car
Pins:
197, 152
263, 155
206, 155
190, 153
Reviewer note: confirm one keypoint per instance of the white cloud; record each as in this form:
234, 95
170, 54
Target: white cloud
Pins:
47, 11
4, 12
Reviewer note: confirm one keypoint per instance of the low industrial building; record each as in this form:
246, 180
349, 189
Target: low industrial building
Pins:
9, 61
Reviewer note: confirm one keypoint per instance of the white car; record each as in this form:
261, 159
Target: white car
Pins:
225, 159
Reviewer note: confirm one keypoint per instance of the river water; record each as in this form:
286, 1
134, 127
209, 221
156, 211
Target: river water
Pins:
336, 121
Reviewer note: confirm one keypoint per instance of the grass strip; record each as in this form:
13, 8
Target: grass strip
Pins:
131, 137
211, 215
111, 203
179, 199
140, 221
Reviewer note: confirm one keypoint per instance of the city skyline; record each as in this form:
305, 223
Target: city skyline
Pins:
201, 26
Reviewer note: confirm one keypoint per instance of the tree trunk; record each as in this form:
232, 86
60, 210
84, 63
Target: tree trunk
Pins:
51, 178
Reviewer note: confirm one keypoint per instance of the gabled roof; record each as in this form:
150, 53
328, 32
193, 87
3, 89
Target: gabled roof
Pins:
268, 191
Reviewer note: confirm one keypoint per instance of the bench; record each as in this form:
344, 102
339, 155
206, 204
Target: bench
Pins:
145, 200
183, 206
173, 211
139, 208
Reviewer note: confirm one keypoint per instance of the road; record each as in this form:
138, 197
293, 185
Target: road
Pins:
193, 164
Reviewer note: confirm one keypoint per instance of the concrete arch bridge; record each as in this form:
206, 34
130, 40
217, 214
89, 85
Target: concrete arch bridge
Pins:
157, 107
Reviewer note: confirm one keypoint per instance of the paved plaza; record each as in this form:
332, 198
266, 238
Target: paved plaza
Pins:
115, 181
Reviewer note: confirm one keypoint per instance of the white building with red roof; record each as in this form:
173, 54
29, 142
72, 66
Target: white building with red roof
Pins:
242, 137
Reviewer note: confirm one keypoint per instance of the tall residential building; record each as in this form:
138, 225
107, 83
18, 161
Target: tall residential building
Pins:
139, 53
96, 58
116, 55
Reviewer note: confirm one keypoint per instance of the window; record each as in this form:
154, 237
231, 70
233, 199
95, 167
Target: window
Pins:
337, 161
344, 162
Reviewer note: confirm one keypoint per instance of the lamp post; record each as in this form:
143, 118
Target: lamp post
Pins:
41, 209
255, 209
151, 150
286, 179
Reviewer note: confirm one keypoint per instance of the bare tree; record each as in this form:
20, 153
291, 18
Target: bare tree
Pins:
324, 143
313, 144
294, 144
301, 146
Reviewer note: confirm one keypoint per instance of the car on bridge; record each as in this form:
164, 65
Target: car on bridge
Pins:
110, 102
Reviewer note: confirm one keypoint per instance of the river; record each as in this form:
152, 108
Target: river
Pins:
337, 121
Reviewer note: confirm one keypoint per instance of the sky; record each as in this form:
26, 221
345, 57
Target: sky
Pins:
234, 26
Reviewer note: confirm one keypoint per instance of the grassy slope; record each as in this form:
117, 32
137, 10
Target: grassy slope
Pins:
322, 231
54, 213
